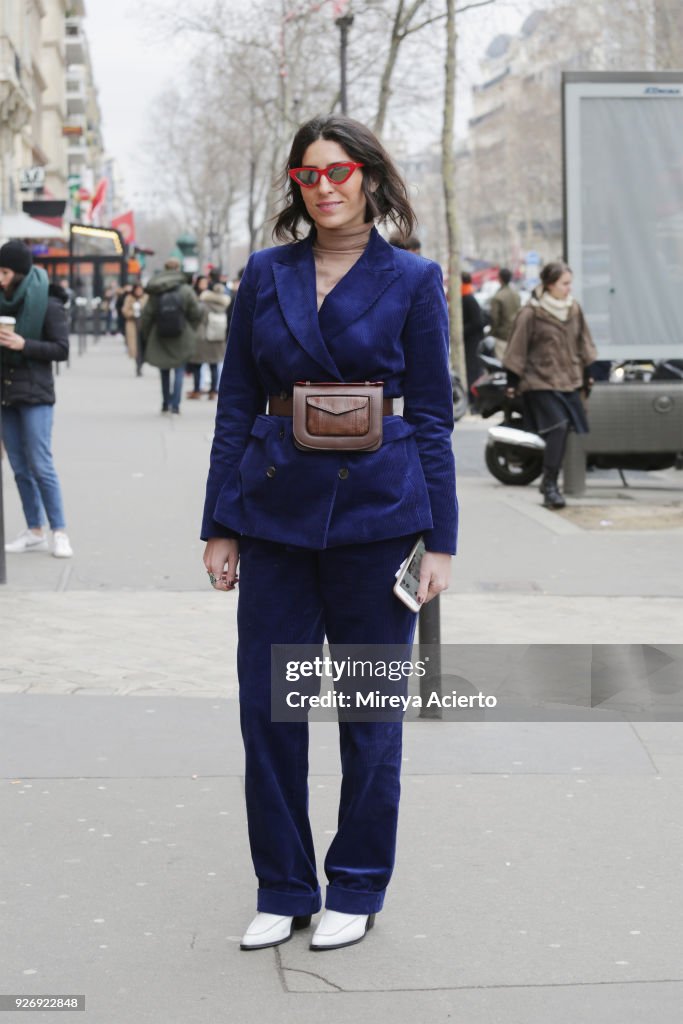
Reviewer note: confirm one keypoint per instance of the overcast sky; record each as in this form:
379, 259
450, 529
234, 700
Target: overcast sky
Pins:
130, 67
132, 63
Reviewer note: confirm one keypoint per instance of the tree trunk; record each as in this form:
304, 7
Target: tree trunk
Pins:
388, 71
448, 175
251, 204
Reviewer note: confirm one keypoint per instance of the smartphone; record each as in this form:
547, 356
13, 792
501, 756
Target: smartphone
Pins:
408, 577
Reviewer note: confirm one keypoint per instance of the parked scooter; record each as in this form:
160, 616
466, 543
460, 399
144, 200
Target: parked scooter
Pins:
514, 452
459, 397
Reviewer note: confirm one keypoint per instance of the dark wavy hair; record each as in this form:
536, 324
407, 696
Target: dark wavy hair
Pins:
552, 272
9, 291
385, 192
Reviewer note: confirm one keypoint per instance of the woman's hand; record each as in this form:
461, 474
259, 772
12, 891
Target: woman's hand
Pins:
435, 575
221, 557
8, 339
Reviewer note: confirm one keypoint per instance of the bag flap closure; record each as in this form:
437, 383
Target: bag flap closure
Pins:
337, 405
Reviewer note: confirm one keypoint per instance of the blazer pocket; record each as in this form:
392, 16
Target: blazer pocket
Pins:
262, 426
391, 477
278, 482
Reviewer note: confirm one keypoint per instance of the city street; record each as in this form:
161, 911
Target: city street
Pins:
538, 873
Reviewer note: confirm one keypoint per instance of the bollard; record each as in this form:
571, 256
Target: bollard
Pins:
80, 324
574, 466
96, 319
429, 627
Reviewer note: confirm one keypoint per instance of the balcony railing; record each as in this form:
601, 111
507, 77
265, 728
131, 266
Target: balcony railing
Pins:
74, 41
75, 94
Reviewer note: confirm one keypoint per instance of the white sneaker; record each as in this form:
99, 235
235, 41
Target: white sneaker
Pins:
337, 930
27, 541
61, 548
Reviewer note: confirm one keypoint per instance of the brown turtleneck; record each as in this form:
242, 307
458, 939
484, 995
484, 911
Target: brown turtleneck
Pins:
335, 251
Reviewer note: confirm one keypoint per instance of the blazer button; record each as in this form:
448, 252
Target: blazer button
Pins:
283, 395
271, 471
282, 433
343, 473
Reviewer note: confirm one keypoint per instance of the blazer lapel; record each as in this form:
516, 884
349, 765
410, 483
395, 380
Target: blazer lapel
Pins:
295, 286
360, 288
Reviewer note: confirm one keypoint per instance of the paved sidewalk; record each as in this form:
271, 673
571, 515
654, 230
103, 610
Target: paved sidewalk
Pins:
538, 877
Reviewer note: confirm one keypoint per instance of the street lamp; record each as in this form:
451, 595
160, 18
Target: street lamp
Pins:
344, 20
214, 236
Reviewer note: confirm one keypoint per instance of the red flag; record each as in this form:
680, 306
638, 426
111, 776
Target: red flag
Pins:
100, 193
126, 225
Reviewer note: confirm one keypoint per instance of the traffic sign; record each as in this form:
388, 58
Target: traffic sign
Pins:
32, 179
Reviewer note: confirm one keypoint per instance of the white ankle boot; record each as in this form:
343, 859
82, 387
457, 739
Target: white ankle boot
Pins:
337, 930
271, 930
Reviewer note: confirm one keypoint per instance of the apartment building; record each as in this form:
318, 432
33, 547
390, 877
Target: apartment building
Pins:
510, 185
85, 150
50, 123
21, 87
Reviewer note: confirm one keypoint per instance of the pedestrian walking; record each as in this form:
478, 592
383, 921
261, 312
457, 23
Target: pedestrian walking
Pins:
121, 295
194, 366
132, 308
109, 306
234, 286
547, 361
216, 278
473, 323
168, 330
321, 530
212, 334
34, 333
505, 306
412, 243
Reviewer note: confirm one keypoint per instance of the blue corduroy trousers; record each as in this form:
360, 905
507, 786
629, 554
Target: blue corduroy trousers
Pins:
292, 595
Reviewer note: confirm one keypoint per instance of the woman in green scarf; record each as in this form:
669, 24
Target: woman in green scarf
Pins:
33, 334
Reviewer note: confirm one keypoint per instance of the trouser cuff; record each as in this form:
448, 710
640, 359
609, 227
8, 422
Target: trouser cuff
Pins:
350, 901
288, 904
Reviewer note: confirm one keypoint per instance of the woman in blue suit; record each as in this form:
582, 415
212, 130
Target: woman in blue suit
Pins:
320, 534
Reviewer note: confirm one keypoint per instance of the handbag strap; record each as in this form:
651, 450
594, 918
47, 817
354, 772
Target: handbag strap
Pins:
279, 405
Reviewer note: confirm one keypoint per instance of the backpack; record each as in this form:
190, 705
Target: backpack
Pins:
170, 314
217, 325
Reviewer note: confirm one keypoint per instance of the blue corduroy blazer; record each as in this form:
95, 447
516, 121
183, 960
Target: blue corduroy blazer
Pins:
385, 320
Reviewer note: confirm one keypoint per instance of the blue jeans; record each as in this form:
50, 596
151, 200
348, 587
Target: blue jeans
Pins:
172, 401
27, 434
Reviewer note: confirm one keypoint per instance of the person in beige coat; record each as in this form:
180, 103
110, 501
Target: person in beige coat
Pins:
505, 306
211, 338
547, 361
131, 311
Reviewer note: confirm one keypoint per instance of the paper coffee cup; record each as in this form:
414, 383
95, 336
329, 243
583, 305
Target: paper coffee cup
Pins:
8, 321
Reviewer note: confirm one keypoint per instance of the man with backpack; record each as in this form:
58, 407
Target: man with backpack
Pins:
168, 329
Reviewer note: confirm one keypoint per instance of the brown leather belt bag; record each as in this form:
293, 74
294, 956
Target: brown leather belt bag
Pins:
337, 417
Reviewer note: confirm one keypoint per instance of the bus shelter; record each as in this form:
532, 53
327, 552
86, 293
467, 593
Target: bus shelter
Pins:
95, 258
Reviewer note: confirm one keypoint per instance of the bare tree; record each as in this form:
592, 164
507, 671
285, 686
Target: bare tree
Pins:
448, 177
409, 17
273, 69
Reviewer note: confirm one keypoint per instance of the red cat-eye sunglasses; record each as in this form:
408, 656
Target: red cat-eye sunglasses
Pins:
337, 174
